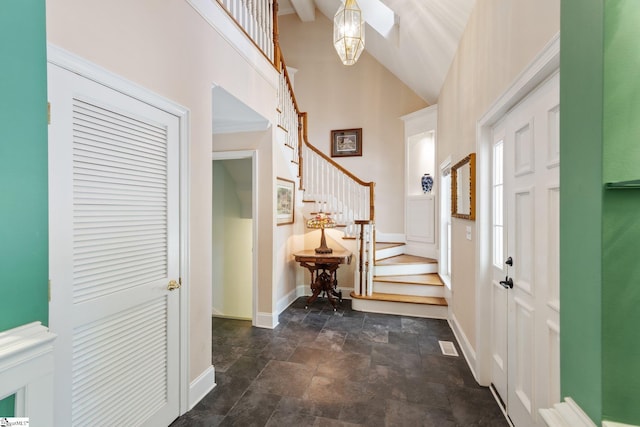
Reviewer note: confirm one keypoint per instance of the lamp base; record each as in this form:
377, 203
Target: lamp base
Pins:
323, 249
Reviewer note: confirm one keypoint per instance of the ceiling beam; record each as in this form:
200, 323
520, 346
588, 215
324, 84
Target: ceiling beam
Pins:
306, 9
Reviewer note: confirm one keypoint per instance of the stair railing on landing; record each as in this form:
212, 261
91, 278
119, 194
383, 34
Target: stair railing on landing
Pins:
333, 188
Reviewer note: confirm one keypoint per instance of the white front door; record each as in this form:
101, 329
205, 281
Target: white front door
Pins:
114, 249
525, 291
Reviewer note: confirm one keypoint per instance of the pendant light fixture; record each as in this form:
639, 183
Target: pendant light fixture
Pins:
348, 32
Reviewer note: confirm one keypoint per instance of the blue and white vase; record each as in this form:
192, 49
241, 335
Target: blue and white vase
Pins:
427, 183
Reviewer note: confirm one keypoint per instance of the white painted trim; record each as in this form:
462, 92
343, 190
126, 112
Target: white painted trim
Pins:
201, 386
266, 320
446, 164
185, 191
287, 300
253, 155
566, 414
89, 70
26, 370
541, 68
614, 424
218, 19
467, 350
257, 126
93, 72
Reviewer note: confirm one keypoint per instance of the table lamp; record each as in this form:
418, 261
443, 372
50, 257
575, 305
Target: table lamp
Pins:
322, 221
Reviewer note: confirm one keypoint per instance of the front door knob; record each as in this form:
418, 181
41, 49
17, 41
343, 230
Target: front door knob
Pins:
507, 283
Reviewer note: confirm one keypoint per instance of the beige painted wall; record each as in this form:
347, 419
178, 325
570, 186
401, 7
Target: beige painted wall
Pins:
167, 47
365, 95
501, 38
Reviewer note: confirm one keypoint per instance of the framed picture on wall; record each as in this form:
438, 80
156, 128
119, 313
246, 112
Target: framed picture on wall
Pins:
346, 142
285, 201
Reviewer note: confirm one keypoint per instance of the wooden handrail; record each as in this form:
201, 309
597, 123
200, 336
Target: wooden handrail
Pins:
371, 185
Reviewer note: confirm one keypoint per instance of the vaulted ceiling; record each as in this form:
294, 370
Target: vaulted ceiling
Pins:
421, 43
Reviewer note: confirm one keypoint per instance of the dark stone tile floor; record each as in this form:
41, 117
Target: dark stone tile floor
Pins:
345, 368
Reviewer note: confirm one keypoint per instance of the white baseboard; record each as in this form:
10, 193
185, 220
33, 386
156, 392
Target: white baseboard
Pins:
266, 320
202, 385
566, 413
467, 350
289, 298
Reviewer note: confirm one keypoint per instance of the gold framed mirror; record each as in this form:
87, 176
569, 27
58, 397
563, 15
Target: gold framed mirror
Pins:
463, 188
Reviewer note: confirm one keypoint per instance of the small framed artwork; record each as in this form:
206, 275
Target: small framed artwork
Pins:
346, 142
285, 202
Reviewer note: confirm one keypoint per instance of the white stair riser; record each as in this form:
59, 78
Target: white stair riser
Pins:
389, 252
400, 308
408, 289
400, 269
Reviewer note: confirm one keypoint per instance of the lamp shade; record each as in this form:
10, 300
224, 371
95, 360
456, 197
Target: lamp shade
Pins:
322, 221
348, 32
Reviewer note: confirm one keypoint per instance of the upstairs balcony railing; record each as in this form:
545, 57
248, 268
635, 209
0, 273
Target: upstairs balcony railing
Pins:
259, 20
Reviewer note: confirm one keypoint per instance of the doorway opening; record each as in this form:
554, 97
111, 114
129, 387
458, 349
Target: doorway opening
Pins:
233, 226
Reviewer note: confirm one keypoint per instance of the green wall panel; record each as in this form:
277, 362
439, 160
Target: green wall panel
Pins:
621, 215
621, 154
23, 167
581, 57
620, 300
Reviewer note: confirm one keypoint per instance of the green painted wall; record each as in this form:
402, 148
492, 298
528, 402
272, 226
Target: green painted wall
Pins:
23, 167
600, 228
581, 82
621, 215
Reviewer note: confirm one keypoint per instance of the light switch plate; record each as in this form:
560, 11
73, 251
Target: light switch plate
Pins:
468, 232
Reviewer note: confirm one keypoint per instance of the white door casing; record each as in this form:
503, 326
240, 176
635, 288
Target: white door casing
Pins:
114, 247
529, 136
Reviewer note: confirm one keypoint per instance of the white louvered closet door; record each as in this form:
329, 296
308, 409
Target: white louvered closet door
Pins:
114, 247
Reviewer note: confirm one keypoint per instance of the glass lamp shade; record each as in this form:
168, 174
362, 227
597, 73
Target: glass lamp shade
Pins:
322, 221
348, 32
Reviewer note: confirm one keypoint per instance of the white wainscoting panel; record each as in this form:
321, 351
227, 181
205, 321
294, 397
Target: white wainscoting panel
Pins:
26, 370
421, 218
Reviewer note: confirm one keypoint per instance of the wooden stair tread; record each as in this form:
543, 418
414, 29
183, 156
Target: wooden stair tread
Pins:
405, 259
376, 296
386, 245
431, 279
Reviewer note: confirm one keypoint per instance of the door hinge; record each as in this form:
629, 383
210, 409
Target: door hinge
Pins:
180, 280
49, 290
48, 113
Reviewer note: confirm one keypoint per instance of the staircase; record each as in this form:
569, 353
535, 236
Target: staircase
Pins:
403, 284
386, 279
